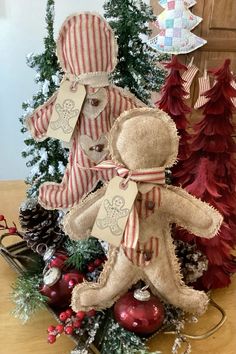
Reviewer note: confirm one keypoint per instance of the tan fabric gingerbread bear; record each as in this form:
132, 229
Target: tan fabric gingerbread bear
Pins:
143, 142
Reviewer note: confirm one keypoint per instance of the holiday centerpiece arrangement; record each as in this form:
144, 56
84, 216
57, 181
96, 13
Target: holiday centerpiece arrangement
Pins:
111, 242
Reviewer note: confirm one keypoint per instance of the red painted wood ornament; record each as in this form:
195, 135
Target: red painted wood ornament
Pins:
140, 312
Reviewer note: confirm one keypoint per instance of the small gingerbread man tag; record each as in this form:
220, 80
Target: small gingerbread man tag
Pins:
66, 110
115, 209
114, 212
65, 113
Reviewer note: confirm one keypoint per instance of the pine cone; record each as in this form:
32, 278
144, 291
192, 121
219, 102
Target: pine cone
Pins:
40, 225
192, 262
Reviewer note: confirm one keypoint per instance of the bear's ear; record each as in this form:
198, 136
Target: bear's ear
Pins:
147, 136
86, 44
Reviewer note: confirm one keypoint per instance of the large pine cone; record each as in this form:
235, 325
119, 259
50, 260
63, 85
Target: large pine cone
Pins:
40, 225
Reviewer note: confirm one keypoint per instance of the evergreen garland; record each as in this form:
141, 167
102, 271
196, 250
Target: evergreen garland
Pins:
137, 67
47, 159
27, 297
119, 341
82, 252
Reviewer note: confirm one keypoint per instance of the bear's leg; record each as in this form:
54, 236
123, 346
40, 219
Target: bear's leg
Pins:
117, 277
164, 278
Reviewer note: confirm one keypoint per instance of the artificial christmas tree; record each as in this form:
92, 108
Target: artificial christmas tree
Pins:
210, 174
47, 158
172, 102
175, 24
137, 67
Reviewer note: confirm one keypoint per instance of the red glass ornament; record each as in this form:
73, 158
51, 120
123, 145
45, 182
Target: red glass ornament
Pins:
59, 292
140, 316
58, 260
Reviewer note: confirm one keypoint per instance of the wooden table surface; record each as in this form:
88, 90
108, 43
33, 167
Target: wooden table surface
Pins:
30, 338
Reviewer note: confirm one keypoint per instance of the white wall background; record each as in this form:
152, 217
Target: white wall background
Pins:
22, 29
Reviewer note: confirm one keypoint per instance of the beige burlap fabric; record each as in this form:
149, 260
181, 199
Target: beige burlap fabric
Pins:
140, 139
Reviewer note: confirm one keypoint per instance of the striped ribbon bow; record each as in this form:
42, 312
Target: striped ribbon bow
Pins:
151, 175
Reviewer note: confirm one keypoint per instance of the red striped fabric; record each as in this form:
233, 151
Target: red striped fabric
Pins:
131, 234
188, 77
86, 43
204, 85
148, 175
138, 254
233, 83
77, 181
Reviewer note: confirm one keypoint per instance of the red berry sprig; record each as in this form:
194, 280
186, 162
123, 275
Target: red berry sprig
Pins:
95, 264
72, 322
11, 230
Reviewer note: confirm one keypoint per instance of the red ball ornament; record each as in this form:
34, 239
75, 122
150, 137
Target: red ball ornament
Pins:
2, 217
56, 286
139, 312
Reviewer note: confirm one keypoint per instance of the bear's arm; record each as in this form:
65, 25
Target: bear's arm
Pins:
190, 213
79, 221
38, 121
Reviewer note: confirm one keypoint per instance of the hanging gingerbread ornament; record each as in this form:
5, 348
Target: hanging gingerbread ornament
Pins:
139, 311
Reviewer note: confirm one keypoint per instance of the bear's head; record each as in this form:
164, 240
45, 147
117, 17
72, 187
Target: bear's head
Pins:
144, 138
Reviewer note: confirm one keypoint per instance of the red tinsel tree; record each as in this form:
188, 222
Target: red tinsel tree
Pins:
172, 102
209, 173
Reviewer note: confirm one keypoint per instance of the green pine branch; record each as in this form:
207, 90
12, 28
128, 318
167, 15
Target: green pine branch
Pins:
27, 297
82, 252
119, 341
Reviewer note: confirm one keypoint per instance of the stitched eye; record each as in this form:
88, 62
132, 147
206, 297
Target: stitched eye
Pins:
94, 102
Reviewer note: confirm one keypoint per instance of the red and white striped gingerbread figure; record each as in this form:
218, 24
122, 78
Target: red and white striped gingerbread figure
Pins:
142, 142
87, 51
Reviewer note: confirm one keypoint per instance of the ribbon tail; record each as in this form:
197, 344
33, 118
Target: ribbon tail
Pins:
131, 233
